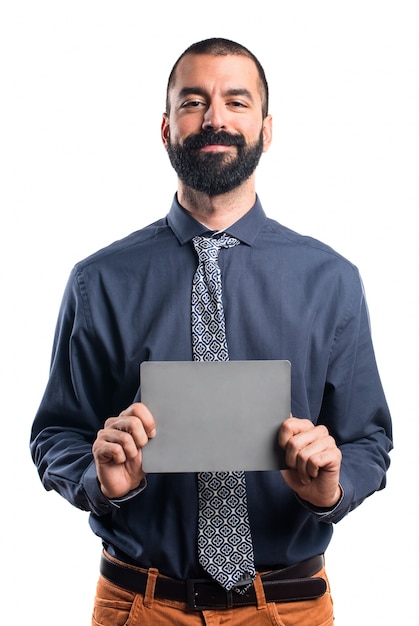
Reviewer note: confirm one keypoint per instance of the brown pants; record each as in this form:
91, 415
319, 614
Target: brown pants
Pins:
115, 606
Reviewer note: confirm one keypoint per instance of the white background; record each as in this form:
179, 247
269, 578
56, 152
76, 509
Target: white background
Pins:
82, 91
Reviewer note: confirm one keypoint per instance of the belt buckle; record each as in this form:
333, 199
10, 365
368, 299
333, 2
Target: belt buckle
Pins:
214, 596
204, 595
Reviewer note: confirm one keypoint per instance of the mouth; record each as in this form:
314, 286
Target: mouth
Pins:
215, 147
209, 141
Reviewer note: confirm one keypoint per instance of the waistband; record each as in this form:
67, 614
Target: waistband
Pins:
294, 583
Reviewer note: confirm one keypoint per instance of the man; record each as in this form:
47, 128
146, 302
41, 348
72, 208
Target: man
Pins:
284, 296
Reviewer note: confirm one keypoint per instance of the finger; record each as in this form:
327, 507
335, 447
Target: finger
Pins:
116, 445
132, 428
305, 451
139, 410
323, 458
294, 435
307, 461
291, 427
326, 459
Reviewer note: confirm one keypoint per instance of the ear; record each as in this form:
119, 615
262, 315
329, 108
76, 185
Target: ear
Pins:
267, 132
165, 129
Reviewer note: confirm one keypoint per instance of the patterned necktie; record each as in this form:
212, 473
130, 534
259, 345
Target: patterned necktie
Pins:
225, 548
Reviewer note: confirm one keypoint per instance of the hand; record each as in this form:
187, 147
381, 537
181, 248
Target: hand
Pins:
314, 462
117, 450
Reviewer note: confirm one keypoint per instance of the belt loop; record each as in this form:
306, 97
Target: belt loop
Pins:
260, 593
150, 587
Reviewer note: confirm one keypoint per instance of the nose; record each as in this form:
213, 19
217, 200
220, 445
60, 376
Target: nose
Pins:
213, 118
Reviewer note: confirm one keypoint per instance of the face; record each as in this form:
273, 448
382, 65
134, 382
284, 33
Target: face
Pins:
215, 132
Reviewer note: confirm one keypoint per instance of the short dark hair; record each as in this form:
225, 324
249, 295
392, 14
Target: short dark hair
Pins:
217, 46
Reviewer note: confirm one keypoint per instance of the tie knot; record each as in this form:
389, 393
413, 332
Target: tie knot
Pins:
208, 248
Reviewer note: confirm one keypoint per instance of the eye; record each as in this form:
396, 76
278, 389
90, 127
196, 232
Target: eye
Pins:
238, 104
189, 104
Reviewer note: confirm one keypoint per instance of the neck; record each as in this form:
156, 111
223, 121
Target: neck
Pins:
218, 212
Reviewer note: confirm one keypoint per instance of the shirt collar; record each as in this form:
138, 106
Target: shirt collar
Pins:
185, 227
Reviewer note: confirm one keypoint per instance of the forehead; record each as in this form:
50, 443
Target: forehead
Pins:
209, 73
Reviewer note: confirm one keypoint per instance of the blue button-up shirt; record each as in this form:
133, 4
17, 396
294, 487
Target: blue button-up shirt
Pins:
286, 296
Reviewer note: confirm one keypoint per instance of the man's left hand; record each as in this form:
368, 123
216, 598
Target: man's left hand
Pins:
314, 461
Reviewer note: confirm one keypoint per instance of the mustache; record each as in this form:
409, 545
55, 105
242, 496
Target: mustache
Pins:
211, 137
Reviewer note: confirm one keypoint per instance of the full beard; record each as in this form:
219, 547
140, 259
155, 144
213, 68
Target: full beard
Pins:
214, 173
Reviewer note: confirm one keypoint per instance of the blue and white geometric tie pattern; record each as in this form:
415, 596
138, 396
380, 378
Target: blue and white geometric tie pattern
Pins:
225, 548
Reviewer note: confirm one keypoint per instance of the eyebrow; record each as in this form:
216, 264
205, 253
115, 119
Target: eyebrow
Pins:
199, 91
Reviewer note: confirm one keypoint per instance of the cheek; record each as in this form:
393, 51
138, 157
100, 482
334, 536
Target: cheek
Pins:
181, 128
250, 129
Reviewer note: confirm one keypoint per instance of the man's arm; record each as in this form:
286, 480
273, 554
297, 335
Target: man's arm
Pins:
79, 397
350, 444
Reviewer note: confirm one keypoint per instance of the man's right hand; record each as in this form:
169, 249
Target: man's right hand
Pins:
117, 450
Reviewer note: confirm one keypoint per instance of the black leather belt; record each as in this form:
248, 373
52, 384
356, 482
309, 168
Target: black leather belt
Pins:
286, 585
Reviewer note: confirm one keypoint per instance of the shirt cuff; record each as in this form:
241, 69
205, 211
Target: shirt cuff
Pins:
322, 511
100, 504
132, 493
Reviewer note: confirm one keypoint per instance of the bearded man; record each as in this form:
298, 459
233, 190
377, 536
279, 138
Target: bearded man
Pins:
270, 294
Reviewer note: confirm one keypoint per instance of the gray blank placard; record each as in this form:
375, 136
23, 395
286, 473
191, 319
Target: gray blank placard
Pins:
215, 416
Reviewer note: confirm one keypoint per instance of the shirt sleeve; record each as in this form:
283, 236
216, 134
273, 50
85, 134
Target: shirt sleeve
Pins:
74, 406
355, 410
